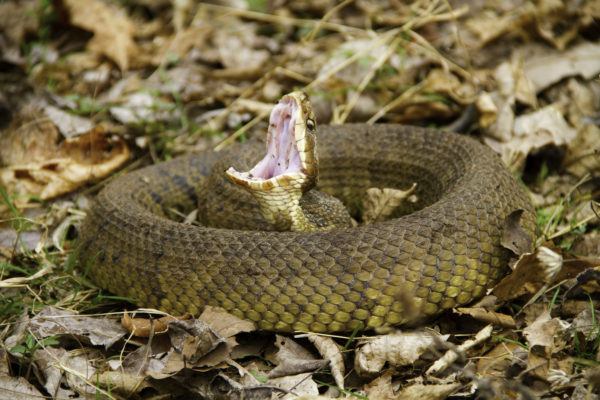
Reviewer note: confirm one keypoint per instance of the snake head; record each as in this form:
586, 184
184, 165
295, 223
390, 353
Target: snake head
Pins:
291, 158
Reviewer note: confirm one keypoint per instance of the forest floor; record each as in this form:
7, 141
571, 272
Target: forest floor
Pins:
92, 89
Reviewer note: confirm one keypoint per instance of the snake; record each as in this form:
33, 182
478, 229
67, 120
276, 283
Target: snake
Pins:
442, 251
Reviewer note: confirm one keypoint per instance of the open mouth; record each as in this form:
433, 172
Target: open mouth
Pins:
283, 156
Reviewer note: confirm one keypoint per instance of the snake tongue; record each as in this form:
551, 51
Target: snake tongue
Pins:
283, 164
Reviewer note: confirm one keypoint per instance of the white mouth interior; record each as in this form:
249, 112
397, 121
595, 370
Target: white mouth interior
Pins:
282, 151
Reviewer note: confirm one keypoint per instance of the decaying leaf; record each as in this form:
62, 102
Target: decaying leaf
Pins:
397, 349
91, 156
296, 385
193, 339
379, 204
52, 321
548, 333
291, 358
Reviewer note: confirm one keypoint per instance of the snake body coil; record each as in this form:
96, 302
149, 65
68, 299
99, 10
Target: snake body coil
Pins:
400, 271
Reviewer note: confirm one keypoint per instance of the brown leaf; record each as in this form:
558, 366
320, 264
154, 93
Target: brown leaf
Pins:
142, 327
113, 30
293, 359
548, 333
488, 316
381, 387
193, 338
498, 360
531, 272
331, 351
223, 323
91, 156
514, 236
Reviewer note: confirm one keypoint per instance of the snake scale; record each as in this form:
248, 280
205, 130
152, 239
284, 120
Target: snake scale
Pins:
400, 271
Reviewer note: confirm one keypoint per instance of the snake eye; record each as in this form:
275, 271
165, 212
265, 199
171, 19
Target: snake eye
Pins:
310, 124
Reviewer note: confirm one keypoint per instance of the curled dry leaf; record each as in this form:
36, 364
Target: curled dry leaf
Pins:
454, 354
143, 327
292, 358
91, 156
331, 351
381, 203
488, 316
397, 349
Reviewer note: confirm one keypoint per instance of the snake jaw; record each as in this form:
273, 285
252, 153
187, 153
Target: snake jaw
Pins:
291, 158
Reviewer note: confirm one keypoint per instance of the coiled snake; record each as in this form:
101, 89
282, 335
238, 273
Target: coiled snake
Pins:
399, 271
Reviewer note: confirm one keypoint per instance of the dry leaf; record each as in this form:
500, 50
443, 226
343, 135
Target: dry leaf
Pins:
454, 354
583, 154
296, 385
113, 30
379, 204
68, 124
532, 271
514, 236
428, 392
331, 351
548, 333
381, 387
143, 327
548, 67
193, 339
488, 316
223, 323
52, 321
503, 356
17, 20
293, 359
397, 349
544, 127
91, 156
18, 389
